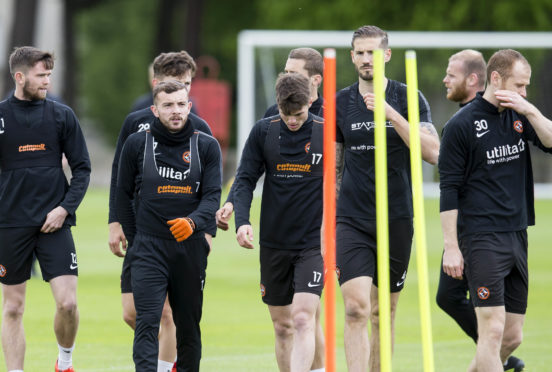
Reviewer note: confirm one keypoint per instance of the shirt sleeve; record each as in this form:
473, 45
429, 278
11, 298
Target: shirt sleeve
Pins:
211, 186
249, 171
123, 135
74, 147
425, 111
123, 208
452, 164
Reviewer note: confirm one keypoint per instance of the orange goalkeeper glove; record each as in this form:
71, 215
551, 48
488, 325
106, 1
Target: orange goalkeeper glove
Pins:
182, 228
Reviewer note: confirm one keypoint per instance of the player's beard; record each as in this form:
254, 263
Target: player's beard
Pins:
365, 75
458, 93
32, 95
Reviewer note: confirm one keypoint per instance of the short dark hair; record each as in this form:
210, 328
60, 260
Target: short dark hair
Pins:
370, 31
292, 92
173, 64
314, 63
26, 57
502, 62
168, 87
473, 62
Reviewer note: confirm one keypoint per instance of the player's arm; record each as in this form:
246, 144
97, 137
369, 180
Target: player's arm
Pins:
429, 139
249, 171
117, 238
211, 183
452, 168
539, 122
126, 185
74, 147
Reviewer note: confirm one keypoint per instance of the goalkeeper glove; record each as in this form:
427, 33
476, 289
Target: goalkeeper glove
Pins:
182, 228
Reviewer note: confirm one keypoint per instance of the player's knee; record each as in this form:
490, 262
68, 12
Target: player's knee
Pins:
512, 340
167, 315
67, 307
492, 333
13, 310
303, 320
283, 328
129, 316
356, 311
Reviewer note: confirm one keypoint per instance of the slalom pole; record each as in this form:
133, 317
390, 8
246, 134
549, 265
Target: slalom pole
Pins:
329, 205
418, 204
382, 219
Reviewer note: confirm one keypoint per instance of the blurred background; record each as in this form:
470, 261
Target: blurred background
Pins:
103, 49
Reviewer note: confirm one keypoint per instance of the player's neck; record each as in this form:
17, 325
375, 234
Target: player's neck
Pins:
367, 86
491, 98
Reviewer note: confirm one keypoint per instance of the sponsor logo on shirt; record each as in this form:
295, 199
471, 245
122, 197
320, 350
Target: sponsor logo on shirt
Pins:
505, 153
518, 126
27, 148
368, 125
291, 167
172, 174
171, 189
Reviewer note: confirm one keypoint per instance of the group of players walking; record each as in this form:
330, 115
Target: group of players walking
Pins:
165, 198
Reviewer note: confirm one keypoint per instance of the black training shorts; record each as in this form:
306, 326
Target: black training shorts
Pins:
126, 279
495, 264
55, 253
356, 252
285, 272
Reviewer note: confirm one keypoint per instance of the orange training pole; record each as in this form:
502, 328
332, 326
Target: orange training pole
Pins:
329, 205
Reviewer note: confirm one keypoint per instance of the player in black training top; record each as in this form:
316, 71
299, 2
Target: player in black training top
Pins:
465, 76
37, 205
178, 66
487, 202
177, 184
288, 149
356, 212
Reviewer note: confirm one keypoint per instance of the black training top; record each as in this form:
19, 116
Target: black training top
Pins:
136, 122
355, 129
33, 137
485, 168
317, 108
291, 207
182, 179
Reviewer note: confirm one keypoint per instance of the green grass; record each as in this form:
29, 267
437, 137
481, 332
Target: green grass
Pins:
237, 332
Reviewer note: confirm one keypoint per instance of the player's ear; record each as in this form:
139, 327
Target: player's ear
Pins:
387, 54
496, 79
153, 109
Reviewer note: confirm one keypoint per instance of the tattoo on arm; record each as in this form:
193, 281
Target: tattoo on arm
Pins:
429, 128
338, 165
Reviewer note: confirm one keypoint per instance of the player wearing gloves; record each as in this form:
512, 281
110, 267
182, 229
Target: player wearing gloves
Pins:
176, 174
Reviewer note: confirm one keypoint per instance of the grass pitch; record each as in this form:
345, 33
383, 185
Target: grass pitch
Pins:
237, 332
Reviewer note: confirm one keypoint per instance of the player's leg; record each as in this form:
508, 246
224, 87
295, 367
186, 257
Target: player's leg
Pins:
491, 321
149, 272
186, 283
16, 253
303, 310
127, 300
308, 280
58, 262
452, 297
13, 334
374, 320
513, 335
283, 335
318, 362
167, 335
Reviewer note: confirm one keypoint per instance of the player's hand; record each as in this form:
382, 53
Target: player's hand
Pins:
54, 220
370, 102
513, 100
453, 263
181, 228
245, 236
223, 215
117, 239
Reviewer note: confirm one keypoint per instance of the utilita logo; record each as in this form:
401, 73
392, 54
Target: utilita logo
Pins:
172, 174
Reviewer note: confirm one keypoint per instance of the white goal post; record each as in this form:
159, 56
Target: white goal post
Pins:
248, 40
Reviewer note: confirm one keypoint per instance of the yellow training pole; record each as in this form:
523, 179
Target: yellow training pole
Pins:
418, 204
329, 205
382, 218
